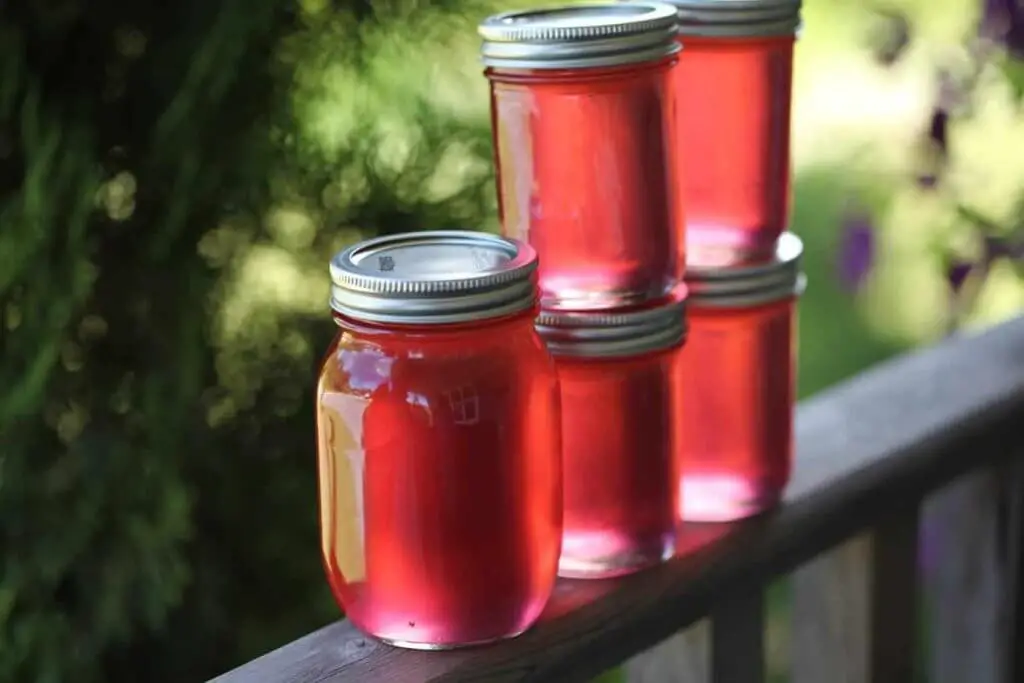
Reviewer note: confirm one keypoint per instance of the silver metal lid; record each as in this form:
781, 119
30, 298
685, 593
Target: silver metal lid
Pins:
589, 334
580, 36
444, 276
738, 18
751, 285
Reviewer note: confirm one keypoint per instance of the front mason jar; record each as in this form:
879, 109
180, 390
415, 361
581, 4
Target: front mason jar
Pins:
439, 447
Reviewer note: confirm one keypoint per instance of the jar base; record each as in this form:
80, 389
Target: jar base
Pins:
440, 647
617, 564
420, 633
719, 498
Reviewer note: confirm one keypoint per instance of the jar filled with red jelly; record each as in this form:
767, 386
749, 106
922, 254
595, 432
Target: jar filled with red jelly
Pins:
734, 83
736, 386
439, 445
580, 97
621, 486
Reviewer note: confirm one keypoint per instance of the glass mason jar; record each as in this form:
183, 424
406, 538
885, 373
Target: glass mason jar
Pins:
734, 83
580, 99
736, 387
439, 444
615, 371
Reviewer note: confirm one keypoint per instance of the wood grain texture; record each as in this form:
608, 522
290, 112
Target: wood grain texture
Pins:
831, 616
681, 658
962, 581
855, 609
972, 570
864, 448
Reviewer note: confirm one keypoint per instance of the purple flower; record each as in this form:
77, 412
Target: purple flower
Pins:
1015, 36
957, 272
856, 250
938, 129
1002, 21
995, 19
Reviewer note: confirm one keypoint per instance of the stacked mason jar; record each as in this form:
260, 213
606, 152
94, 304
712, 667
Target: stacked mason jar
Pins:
736, 383
496, 410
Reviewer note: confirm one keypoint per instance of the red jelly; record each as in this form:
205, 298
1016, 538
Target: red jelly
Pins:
615, 370
439, 444
735, 389
580, 100
734, 85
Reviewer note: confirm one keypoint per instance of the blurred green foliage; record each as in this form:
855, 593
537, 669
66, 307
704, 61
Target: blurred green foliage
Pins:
157, 493
124, 128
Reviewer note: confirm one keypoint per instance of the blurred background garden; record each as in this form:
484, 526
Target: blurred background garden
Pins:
174, 178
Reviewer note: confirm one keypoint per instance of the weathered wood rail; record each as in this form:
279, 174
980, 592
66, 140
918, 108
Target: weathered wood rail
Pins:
929, 446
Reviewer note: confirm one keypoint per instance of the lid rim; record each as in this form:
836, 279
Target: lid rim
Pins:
763, 29
751, 285
618, 348
753, 298
738, 18
579, 36
588, 334
652, 54
493, 277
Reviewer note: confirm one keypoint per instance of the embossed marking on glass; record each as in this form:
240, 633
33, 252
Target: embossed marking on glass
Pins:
579, 106
439, 444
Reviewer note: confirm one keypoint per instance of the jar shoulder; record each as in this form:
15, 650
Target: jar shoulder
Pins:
432, 364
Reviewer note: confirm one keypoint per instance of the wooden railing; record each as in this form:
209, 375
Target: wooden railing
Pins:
929, 446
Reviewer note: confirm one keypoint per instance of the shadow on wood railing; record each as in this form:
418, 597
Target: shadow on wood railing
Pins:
869, 452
